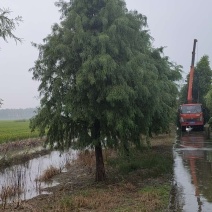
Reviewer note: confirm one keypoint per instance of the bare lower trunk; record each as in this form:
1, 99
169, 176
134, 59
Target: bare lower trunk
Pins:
100, 168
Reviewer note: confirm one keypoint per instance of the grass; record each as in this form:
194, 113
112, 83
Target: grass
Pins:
15, 130
135, 183
146, 160
117, 198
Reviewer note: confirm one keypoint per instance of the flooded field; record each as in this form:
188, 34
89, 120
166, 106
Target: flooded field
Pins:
192, 186
20, 182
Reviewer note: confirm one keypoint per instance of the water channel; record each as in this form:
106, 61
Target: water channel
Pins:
24, 177
192, 183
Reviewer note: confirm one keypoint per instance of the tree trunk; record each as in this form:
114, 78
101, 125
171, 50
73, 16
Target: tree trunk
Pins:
126, 148
100, 168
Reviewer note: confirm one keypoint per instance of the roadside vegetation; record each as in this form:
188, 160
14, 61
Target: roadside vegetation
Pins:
15, 130
140, 182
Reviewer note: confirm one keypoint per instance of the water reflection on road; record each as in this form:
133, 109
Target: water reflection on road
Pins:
193, 172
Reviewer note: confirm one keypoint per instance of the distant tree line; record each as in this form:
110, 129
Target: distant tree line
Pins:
17, 114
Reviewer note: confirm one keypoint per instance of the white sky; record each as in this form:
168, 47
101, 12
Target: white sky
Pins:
172, 23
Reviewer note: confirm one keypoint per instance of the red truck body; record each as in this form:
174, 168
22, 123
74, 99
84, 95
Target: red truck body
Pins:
191, 115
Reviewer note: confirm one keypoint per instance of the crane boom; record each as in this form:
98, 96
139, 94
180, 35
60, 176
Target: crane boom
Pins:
191, 76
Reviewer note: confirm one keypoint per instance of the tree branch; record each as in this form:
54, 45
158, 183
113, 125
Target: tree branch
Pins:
7, 25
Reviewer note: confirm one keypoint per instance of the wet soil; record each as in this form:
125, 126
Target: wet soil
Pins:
80, 177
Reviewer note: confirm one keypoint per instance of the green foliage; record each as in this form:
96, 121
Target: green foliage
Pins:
8, 25
98, 68
184, 92
169, 73
208, 99
15, 130
202, 78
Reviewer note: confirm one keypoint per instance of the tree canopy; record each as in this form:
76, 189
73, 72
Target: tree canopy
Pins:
101, 80
208, 96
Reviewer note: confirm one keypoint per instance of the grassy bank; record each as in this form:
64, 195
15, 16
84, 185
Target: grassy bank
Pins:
141, 182
15, 130
138, 183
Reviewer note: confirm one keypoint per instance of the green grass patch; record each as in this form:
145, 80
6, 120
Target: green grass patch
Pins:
151, 163
162, 191
15, 130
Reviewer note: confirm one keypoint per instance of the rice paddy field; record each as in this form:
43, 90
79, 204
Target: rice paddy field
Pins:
15, 130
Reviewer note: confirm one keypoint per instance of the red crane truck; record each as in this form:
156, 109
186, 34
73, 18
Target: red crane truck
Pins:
191, 114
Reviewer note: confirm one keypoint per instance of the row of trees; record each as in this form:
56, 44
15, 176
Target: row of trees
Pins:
102, 83
17, 114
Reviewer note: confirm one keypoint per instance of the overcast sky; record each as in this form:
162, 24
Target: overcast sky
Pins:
172, 23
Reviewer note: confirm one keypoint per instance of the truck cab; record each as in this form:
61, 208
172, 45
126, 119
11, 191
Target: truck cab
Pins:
191, 115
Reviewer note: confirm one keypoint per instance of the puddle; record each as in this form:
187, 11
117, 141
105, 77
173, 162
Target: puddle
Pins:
192, 184
23, 177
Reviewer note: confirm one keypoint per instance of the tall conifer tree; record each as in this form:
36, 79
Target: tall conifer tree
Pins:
99, 78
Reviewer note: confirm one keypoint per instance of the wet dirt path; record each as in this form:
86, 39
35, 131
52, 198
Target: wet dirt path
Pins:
192, 183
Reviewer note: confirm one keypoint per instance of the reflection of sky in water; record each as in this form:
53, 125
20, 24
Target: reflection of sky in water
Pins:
25, 175
193, 151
